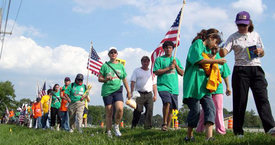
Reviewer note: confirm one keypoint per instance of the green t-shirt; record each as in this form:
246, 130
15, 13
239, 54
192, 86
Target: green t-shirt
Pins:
195, 79
113, 85
169, 80
56, 100
75, 92
17, 114
225, 72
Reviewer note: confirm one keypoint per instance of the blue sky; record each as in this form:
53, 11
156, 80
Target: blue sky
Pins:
51, 39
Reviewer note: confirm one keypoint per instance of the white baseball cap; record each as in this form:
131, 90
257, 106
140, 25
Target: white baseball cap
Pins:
112, 48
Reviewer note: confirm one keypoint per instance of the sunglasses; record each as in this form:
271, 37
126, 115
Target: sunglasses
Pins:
242, 25
113, 52
80, 80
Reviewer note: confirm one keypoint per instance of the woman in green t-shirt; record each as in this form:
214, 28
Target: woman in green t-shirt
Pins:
55, 105
195, 79
111, 74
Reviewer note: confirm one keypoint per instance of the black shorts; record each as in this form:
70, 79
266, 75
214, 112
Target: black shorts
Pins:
112, 98
85, 111
167, 97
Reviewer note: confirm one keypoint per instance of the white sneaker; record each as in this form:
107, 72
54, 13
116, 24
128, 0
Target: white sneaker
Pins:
109, 134
71, 131
272, 131
57, 128
116, 130
240, 136
52, 128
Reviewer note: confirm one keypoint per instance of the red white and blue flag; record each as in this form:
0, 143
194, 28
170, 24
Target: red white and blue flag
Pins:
42, 92
171, 35
94, 62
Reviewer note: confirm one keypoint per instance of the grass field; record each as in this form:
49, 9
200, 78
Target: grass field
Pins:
25, 136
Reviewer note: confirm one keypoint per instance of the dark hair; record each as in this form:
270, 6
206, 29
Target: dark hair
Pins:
38, 100
49, 91
210, 33
168, 43
251, 26
55, 86
144, 58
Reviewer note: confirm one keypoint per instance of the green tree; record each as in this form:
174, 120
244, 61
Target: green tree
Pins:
225, 111
127, 115
7, 95
182, 116
157, 120
251, 119
96, 115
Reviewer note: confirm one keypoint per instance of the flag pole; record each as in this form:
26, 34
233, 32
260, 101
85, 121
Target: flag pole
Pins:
37, 89
179, 29
91, 47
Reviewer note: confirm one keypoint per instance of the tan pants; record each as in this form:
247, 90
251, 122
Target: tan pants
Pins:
76, 109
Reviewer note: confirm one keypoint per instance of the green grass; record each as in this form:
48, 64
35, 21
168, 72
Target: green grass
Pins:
139, 136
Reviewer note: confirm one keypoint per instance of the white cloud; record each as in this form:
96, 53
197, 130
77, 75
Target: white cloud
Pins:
23, 53
255, 8
20, 30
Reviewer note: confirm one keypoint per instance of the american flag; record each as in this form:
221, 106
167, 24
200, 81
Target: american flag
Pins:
42, 92
171, 35
94, 62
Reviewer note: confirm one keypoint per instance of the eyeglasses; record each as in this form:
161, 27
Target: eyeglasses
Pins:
242, 25
113, 52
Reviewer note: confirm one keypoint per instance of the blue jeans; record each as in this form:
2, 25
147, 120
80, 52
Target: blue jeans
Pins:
65, 120
37, 121
45, 118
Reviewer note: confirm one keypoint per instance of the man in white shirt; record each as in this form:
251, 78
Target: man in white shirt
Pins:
143, 82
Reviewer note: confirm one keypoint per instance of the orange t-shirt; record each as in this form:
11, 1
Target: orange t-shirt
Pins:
11, 113
36, 107
63, 101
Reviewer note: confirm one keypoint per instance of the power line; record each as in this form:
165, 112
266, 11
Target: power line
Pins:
7, 17
4, 6
16, 15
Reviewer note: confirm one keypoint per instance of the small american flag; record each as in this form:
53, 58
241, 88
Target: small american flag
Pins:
171, 35
42, 92
94, 62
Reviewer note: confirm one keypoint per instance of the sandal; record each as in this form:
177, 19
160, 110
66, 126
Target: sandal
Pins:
164, 127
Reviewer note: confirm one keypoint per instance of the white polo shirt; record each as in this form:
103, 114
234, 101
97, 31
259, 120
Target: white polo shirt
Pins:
239, 42
143, 80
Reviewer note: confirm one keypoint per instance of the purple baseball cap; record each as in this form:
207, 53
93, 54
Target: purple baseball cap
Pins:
243, 17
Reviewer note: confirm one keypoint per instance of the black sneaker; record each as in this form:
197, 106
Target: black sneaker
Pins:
210, 139
192, 139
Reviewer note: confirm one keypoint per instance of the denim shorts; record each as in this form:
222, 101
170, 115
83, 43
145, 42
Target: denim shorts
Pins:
167, 97
112, 98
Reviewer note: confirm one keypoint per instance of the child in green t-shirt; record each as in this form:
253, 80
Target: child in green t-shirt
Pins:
195, 79
217, 97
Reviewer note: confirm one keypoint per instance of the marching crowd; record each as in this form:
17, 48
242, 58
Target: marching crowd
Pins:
56, 109
202, 86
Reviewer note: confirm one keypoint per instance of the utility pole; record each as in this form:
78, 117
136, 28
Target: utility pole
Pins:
1, 12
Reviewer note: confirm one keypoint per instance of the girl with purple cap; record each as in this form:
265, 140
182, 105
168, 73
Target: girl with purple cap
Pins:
247, 73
